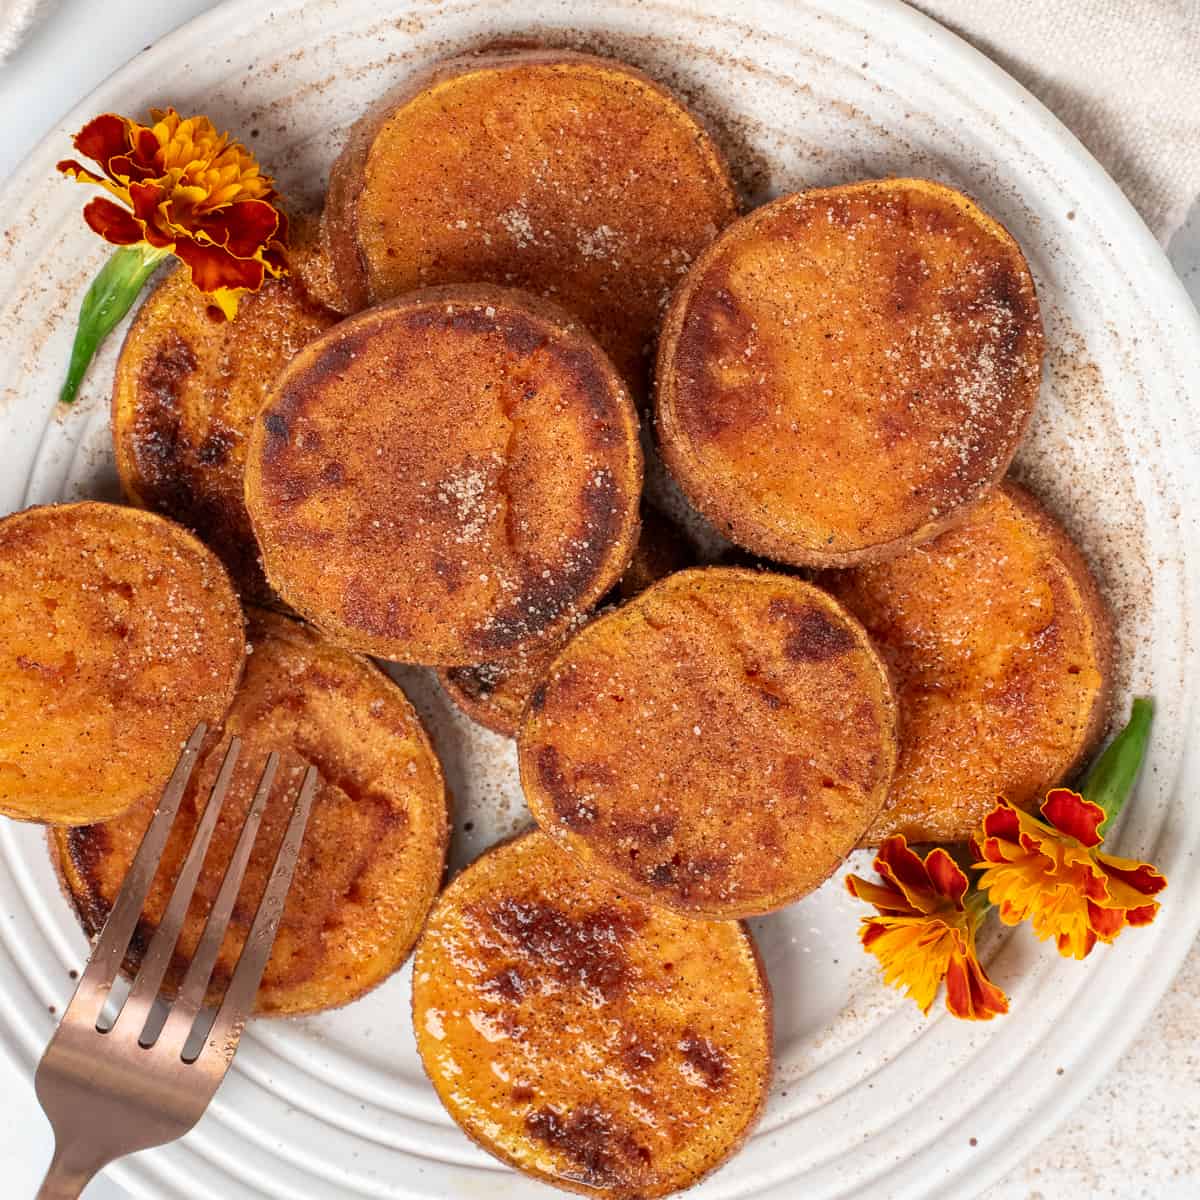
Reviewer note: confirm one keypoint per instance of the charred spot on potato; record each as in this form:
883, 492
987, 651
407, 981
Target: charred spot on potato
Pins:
604, 1149
709, 1061
812, 636
584, 950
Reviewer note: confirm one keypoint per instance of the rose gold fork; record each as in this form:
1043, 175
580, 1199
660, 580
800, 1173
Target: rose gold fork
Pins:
112, 1092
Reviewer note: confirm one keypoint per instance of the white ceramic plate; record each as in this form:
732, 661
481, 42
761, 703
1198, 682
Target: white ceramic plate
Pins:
868, 1098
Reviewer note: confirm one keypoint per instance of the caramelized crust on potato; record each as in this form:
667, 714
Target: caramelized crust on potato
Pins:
495, 694
567, 175
844, 370
375, 847
718, 745
594, 1042
186, 389
443, 478
999, 645
119, 633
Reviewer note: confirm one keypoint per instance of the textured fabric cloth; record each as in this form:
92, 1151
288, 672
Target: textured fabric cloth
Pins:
17, 17
1122, 75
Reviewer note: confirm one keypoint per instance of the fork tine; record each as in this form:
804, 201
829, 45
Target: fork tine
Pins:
195, 983
156, 960
109, 953
239, 997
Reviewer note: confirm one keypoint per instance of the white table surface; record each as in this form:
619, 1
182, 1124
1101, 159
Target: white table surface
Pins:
1137, 1136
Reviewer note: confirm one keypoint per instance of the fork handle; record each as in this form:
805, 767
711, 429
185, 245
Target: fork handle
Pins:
67, 1175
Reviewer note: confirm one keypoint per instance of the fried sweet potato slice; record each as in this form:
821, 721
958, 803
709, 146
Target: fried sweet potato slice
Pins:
119, 632
187, 387
446, 477
375, 847
845, 370
564, 174
590, 1040
718, 745
495, 694
1000, 648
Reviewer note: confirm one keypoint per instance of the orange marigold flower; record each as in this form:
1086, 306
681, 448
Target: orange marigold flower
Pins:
186, 189
924, 930
1052, 873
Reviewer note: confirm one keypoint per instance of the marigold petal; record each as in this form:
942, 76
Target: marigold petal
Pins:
145, 199
113, 223
275, 259
1001, 822
1010, 913
103, 137
993, 850
213, 269
1139, 876
227, 300
78, 171
1143, 914
1071, 945
127, 167
870, 931
243, 227
912, 951
970, 994
145, 146
1071, 814
883, 897
947, 877
1105, 923
904, 869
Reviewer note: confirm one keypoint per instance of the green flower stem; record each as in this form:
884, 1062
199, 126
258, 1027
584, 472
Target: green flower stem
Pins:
977, 902
1112, 775
109, 298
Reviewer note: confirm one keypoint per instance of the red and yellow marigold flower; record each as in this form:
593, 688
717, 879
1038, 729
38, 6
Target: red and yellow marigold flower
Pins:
183, 187
923, 932
176, 186
1051, 871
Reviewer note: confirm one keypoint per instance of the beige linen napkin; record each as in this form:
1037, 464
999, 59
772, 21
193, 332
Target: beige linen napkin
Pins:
17, 17
1122, 75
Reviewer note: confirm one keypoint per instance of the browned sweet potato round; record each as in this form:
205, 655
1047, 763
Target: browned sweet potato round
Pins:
445, 477
597, 1043
570, 176
373, 853
119, 632
845, 370
186, 390
495, 694
999, 645
717, 745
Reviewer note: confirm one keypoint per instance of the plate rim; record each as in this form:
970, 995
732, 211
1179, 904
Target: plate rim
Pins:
1059, 1103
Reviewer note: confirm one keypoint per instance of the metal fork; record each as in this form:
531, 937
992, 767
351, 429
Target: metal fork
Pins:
112, 1092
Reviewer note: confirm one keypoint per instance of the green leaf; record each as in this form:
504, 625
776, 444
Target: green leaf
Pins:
1110, 780
109, 298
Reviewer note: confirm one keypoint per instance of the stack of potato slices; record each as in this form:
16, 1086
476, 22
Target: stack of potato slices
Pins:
427, 444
